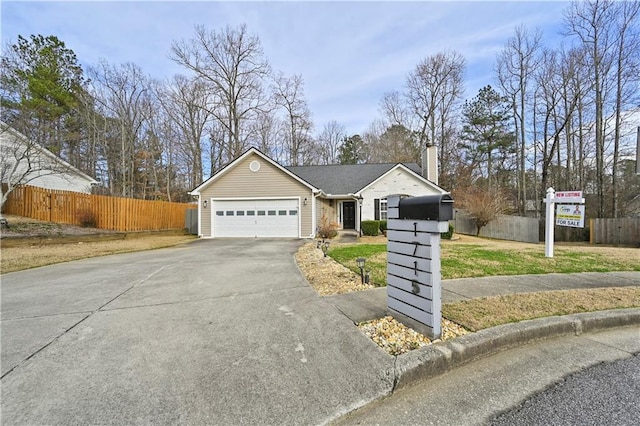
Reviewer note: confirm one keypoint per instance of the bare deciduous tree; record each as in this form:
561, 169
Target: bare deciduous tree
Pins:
514, 67
232, 65
434, 90
394, 108
185, 102
590, 22
266, 135
556, 103
428, 108
123, 96
330, 140
289, 95
627, 79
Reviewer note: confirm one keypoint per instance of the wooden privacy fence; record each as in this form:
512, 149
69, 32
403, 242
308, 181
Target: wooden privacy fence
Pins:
512, 228
625, 231
114, 213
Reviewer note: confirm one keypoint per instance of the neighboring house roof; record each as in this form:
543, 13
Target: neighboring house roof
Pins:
349, 178
231, 165
65, 167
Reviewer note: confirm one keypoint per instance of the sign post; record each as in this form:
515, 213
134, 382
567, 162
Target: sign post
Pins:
548, 227
569, 214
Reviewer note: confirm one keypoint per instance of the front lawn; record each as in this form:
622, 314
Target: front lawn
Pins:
487, 258
375, 255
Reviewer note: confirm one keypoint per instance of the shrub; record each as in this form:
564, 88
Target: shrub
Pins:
370, 227
449, 234
383, 225
86, 218
327, 229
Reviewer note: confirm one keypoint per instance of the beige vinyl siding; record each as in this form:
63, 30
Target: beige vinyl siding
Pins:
268, 182
327, 210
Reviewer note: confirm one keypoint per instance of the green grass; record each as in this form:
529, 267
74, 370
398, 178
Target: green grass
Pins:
375, 254
357, 250
472, 260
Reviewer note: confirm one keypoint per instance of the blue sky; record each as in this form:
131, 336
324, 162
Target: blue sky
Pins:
349, 54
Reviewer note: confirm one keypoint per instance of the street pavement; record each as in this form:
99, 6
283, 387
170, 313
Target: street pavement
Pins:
477, 392
210, 332
608, 393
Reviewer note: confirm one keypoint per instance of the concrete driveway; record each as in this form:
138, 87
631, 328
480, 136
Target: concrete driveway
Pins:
215, 332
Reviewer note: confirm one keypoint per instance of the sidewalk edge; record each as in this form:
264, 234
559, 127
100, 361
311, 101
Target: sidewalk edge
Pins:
441, 357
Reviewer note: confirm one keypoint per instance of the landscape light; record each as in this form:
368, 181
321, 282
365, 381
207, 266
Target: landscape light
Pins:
325, 248
361, 262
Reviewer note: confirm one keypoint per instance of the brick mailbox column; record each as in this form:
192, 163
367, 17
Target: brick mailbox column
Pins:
414, 292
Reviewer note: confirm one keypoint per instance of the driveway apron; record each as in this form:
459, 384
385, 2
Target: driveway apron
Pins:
215, 331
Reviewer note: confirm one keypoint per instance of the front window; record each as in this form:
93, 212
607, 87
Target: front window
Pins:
383, 209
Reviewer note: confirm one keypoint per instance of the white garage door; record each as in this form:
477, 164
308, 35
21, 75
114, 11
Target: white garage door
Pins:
256, 218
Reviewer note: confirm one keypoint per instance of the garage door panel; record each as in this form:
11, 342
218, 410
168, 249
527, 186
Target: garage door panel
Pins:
256, 218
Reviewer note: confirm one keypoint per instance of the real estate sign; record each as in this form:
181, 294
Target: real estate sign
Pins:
569, 197
570, 215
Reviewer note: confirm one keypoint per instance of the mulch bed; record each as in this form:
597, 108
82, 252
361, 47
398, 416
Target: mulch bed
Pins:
329, 277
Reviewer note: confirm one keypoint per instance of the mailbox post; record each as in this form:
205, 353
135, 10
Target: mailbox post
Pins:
414, 291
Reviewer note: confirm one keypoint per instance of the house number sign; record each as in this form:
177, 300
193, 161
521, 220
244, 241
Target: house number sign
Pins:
413, 261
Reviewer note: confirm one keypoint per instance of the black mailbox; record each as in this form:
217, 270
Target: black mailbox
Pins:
428, 207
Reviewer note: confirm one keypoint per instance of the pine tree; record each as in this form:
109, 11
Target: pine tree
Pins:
487, 134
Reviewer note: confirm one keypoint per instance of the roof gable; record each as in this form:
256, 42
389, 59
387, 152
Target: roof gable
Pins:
403, 167
64, 166
239, 160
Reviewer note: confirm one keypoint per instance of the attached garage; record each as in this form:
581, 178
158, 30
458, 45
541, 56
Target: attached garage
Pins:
255, 197
256, 218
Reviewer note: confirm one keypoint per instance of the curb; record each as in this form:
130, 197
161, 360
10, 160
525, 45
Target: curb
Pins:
437, 359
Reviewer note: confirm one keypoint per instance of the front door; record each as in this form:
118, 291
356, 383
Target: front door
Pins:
349, 215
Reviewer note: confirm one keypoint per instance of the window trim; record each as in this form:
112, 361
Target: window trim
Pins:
383, 209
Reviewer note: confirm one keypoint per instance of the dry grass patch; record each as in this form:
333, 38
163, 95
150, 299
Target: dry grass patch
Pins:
478, 314
19, 258
326, 275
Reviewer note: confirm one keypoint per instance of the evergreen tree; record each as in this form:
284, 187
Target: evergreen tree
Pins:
42, 83
487, 134
350, 152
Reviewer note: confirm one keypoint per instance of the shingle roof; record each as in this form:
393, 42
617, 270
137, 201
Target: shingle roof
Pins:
345, 179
